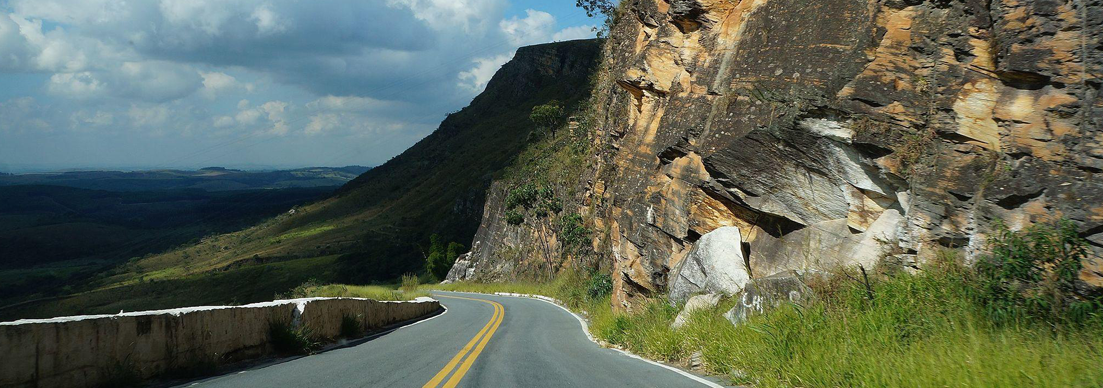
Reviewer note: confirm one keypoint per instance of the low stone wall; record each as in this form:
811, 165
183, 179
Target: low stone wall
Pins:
88, 351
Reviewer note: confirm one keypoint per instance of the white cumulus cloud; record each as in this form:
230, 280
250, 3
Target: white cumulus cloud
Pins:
223, 122
382, 70
536, 27
574, 33
83, 85
85, 118
476, 78
14, 48
268, 22
158, 81
217, 83
322, 122
464, 15
149, 117
248, 116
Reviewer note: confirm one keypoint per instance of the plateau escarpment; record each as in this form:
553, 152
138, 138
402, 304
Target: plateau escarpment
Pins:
438, 185
841, 133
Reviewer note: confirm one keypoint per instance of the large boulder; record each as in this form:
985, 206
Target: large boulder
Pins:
697, 302
714, 265
761, 295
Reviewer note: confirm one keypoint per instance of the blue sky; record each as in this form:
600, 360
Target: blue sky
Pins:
248, 83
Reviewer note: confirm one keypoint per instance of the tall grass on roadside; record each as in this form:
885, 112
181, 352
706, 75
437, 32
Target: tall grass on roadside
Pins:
949, 325
919, 331
410, 283
1017, 320
287, 339
377, 292
121, 374
352, 326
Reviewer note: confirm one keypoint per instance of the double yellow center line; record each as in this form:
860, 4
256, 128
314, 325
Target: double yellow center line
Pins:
471, 350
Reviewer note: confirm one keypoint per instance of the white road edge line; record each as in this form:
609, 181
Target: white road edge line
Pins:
586, 330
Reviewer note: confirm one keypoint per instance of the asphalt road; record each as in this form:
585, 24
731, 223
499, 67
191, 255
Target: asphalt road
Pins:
481, 341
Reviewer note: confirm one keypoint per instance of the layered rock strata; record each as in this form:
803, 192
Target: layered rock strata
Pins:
840, 132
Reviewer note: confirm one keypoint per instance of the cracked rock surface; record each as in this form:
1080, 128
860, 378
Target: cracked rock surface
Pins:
835, 133
839, 132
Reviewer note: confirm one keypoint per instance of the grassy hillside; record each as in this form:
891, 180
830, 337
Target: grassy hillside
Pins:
373, 229
45, 224
53, 239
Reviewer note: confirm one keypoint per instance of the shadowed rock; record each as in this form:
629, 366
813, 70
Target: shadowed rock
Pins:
761, 295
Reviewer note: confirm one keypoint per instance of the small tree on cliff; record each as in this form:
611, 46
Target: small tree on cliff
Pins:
547, 117
596, 7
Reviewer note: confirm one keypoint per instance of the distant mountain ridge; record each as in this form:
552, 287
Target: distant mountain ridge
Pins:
208, 179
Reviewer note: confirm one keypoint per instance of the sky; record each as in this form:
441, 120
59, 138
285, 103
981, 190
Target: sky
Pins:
254, 84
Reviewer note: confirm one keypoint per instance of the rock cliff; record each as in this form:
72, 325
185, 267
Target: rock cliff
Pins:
829, 133
841, 132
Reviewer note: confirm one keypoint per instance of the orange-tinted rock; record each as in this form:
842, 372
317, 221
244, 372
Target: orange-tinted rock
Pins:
798, 121
835, 132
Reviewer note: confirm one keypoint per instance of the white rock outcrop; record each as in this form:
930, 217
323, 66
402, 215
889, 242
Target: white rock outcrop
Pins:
714, 265
697, 302
462, 269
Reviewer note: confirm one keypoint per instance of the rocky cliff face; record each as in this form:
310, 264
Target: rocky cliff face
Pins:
496, 249
551, 162
841, 132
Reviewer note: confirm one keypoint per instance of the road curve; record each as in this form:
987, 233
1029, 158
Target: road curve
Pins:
481, 341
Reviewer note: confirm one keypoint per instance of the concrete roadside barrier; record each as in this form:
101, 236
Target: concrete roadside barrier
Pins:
89, 351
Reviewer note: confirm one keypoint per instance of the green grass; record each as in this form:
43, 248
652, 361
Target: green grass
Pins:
352, 326
377, 292
926, 330
248, 284
303, 232
919, 331
490, 288
290, 340
256, 283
